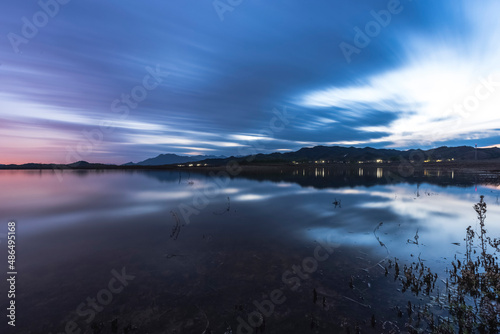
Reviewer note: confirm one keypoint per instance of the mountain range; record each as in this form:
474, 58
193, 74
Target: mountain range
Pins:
337, 154
323, 154
169, 159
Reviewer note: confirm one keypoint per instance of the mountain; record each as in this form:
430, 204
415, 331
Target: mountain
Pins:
322, 154
85, 164
367, 154
74, 165
168, 159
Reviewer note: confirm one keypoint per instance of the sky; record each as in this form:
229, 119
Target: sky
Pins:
119, 81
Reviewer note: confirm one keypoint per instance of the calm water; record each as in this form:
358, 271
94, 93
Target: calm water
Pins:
234, 251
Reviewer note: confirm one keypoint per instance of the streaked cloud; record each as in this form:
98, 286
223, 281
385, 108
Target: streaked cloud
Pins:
225, 79
442, 91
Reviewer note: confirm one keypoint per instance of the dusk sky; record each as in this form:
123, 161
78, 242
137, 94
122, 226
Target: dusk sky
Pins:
217, 77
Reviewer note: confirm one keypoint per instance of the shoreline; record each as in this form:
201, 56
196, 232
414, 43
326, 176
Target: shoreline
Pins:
459, 166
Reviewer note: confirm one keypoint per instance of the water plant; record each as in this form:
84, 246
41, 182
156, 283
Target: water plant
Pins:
472, 287
476, 280
177, 227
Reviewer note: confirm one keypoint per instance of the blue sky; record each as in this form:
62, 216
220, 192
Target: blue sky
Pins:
121, 81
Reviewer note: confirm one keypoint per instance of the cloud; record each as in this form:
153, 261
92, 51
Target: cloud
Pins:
225, 78
441, 92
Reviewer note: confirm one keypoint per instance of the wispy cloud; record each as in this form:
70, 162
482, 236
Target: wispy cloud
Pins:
442, 91
225, 78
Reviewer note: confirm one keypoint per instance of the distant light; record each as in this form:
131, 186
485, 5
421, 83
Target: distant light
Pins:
250, 197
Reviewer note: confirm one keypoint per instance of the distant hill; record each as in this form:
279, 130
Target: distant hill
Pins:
85, 164
368, 154
168, 159
74, 165
319, 154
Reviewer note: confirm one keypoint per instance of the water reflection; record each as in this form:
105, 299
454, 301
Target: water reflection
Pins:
237, 244
319, 172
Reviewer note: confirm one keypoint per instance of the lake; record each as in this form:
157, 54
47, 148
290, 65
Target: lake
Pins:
306, 250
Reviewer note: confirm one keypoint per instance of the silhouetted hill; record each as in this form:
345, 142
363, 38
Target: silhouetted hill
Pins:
74, 165
168, 159
85, 164
318, 154
336, 154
